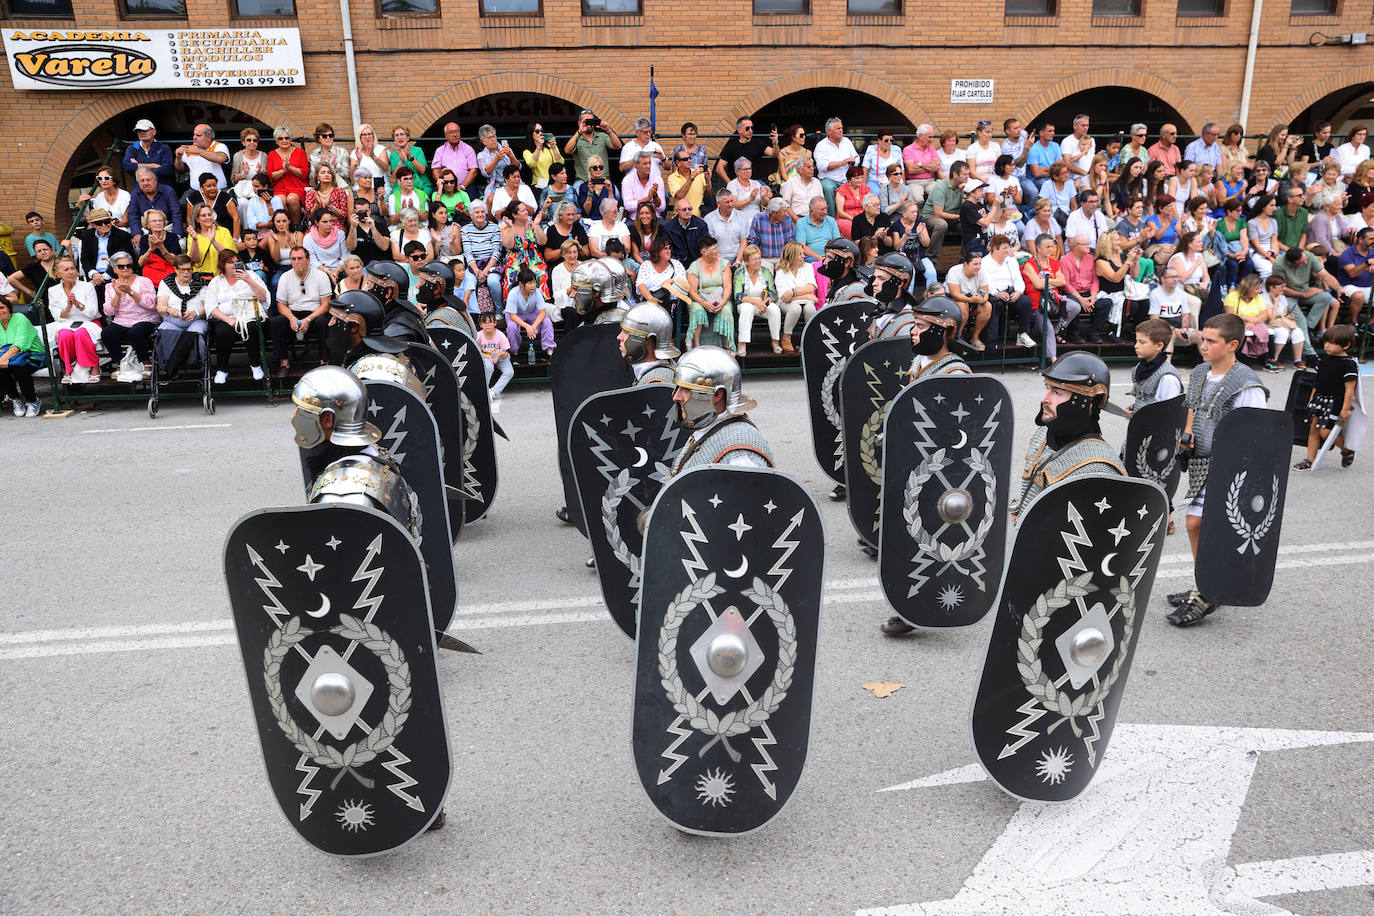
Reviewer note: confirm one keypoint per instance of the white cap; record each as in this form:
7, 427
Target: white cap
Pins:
143, 124
972, 185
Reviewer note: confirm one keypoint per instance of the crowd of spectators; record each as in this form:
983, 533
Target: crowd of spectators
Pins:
180, 234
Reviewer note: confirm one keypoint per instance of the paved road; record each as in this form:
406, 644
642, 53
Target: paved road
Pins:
133, 781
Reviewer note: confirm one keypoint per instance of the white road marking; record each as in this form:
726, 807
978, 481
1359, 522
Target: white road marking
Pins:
148, 429
505, 614
1151, 835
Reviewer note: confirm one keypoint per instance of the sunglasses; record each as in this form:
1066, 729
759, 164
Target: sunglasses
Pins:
449, 181
596, 168
102, 222
123, 265
680, 159
325, 136
103, 178
250, 139
417, 257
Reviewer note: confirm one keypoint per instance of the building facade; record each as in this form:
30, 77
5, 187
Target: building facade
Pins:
879, 62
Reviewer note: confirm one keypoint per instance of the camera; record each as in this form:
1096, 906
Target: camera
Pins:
593, 121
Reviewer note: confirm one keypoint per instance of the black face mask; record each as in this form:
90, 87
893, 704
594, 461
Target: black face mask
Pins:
427, 294
338, 341
887, 291
1074, 419
834, 268
930, 341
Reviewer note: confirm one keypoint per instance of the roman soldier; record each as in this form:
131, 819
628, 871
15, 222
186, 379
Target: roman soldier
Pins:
646, 343
890, 287
711, 404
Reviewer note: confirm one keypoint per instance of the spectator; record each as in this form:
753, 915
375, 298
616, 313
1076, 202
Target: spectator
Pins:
1233, 148
1040, 270
454, 198
791, 153
74, 309
597, 188
513, 187
251, 257
1163, 230
1081, 282
709, 286
799, 190
409, 231
894, 192
1132, 230
1043, 153
456, 156
661, 277
1099, 181
494, 159
371, 191
181, 304
1353, 272
834, 156
1360, 188
203, 154
303, 294
1190, 266
877, 158
131, 307
160, 247
1155, 182
795, 282
1319, 148
221, 203
405, 154
495, 349
1307, 285
754, 293
757, 150
1353, 152
642, 142
109, 196
942, 205
643, 231
481, 253
608, 227
558, 190
287, 166
1130, 185
772, 229
685, 232
695, 151
99, 243
247, 164
33, 275
644, 184
1088, 219
523, 239
1277, 151
1327, 229
1205, 150
593, 139
1235, 240
351, 275
328, 152
370, 157
1015, 146
38, 233
149, 151
1169, 301
1327, 184
975, 216
405, 196
1166, 150
327, 193
1059, 191
1292, 221
232, 298
849, 199
1283, 327
1135, 147
21, 354
921, 163
729, 226
815, 230
688, 182
872, 223
542, 152
949, 152
1184, 185
280, 240
560, 278
327, 244
750, 196
964, 284
1005, 286
1263, 231
527, 318
566, 226
1078, 150
1113, 267
1005, 186
1042, 222
443, 234
910, 236
256, 212
1229, 183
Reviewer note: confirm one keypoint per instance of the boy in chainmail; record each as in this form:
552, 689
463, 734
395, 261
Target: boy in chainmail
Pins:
1217, 386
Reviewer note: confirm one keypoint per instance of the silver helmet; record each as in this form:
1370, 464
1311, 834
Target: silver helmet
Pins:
620, 282
703, 371
591, 281
362, 480
341, 393
389, 367
648, 319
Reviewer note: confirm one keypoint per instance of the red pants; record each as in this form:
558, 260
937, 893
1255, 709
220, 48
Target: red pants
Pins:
75, 345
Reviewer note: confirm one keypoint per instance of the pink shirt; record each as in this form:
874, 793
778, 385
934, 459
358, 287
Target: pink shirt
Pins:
139, 306
632, 190
458, 161
913, 155
1080, 275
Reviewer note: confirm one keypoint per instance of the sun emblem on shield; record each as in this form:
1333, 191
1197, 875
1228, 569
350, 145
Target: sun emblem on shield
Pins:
354, 815
714, 787
1054, 765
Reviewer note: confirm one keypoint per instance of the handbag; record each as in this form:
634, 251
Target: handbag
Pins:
1256, 341
1053, 305
130, 367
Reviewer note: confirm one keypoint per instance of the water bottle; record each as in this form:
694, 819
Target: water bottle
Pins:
529, 354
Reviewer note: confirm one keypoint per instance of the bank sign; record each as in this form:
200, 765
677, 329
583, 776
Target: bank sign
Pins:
85, 59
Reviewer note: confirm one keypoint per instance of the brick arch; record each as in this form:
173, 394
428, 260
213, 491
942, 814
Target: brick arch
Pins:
492, 83
52, 182
1324, 87
1116, 76
827, 78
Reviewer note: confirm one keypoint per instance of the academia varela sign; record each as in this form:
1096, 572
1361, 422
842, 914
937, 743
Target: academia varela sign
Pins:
154, 59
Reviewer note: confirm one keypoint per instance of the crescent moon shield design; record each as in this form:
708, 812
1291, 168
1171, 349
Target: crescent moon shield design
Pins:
741, 572
324, 607
963, 439
643, 458
1107, 564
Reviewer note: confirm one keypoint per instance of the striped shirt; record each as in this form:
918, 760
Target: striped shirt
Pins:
481, 245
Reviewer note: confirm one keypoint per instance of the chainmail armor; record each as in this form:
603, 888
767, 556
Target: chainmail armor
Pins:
1090, 454
729, 435
1144, 392
660, 374
898, 326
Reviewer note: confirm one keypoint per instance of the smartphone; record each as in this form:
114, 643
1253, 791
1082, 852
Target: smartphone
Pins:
378, 184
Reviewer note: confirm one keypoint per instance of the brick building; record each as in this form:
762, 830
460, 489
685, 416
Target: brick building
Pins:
875, 62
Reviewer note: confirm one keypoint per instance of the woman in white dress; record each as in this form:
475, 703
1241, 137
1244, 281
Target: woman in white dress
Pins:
610, 226
73, 305
795, 281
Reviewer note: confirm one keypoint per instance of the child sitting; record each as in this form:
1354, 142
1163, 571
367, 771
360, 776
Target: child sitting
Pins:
495, 354
1283, 327
527, 317
1332, 400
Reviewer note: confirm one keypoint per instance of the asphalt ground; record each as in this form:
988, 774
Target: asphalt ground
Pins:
133, 782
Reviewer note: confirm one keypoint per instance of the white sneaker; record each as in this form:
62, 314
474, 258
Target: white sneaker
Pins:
1026, 340
31, 410
18, 408
257, 373
221, 378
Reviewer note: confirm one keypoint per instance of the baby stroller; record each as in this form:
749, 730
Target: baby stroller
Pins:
180, 364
